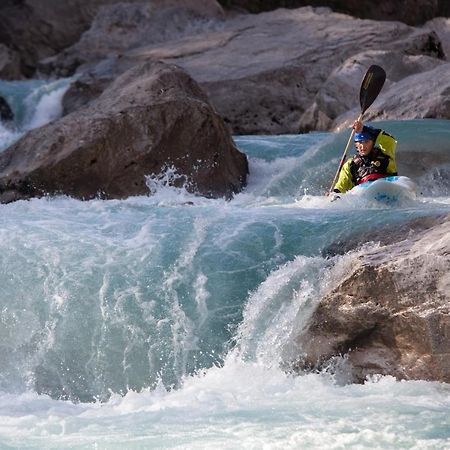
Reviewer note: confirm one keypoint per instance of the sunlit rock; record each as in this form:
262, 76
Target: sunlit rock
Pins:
391, 314
261, 72
340, 92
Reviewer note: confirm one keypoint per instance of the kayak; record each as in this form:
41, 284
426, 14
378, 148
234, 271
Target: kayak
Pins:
387, 190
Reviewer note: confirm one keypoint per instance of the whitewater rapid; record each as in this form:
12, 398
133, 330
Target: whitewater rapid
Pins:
166, 321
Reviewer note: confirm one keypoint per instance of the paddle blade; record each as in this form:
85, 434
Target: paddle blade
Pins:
371, 86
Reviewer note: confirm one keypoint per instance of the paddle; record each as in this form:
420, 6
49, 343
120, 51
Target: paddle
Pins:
370, 88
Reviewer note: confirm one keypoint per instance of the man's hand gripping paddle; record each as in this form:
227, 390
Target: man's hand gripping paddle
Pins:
370, 88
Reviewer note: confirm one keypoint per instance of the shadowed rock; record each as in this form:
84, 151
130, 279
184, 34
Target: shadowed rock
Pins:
412, 12
36, 29
122, 26
9, 64
391, 314
6, 113
153, 117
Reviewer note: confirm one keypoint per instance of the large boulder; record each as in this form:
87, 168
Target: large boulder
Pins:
151, 118
261, 72
412, 12
441, 26
391, 314
339, 94
37, 29
119, 27
425, 95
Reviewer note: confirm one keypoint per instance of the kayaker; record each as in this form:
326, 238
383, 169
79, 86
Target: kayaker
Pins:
375, 158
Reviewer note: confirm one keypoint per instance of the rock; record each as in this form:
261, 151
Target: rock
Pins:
267, 67
6, 114
340, 92
391, 314
412, 12
119, 27
9, 64
441, 26
37, 29
424, 95
151, 118
381, 235
269, 94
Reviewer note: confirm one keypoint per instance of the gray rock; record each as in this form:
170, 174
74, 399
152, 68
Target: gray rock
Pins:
151, 118
9, 64
36, 29
262, 72
122, 26
390, 315
412, 12
382, 235
340, 92
420, 96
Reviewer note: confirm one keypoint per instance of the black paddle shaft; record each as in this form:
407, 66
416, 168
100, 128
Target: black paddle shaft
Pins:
371, 86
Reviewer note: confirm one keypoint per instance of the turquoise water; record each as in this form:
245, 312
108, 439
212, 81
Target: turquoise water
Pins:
165, 321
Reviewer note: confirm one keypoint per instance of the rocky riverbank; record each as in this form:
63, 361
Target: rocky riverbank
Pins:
281, 71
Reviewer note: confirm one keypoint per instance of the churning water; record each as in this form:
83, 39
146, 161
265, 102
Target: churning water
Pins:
163, 321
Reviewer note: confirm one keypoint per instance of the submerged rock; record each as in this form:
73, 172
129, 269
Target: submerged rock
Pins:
152, 118
391, 314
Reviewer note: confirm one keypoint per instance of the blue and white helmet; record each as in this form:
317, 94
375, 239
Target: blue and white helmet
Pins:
363, 136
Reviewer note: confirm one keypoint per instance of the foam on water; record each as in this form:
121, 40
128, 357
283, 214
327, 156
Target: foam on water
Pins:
240, 405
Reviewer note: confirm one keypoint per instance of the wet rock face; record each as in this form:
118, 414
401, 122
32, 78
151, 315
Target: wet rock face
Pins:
391, 315
151, 118
6, 114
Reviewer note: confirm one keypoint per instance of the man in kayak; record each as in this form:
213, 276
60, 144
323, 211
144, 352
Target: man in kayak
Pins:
375, 158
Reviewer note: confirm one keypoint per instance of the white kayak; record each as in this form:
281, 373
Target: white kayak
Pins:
387, 190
